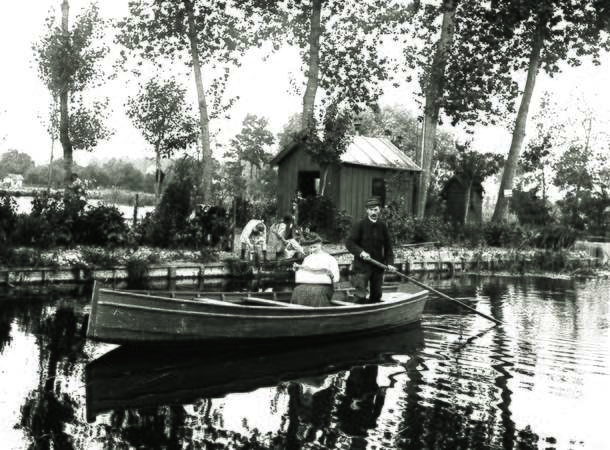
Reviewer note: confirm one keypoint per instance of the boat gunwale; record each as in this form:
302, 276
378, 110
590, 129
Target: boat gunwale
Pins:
323, 312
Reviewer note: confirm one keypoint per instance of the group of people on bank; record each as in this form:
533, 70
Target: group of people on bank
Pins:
315, 277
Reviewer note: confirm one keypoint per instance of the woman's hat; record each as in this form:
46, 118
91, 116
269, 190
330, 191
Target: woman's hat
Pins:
310, 239
373, 201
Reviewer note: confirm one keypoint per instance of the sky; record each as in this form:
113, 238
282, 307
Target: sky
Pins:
263, 87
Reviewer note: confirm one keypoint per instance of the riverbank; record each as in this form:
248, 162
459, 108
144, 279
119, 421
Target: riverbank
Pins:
84, 264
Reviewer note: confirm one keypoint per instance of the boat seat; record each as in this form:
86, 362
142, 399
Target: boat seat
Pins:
268, 302
342, 303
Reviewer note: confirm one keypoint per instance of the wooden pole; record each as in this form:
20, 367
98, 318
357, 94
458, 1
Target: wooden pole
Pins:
440, 294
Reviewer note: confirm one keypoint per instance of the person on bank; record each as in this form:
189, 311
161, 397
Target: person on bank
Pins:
283, 239
316, 276
370, 239
254, 237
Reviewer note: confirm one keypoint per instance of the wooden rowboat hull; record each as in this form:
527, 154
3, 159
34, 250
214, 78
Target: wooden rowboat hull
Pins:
136, 377
125, 317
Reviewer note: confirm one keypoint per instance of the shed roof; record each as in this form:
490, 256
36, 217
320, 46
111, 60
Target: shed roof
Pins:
366, 151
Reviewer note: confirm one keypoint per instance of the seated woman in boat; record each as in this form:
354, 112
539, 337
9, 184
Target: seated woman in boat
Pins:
316, 275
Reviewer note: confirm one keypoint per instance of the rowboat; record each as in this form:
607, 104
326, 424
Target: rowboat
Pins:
147, 377
127, 317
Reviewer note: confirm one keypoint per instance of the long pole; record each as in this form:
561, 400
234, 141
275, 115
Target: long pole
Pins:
440, 294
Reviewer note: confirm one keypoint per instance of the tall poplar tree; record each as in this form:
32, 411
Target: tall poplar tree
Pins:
543, 35
69, 61
208, 36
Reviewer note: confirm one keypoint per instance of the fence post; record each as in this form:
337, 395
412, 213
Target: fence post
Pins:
135, 210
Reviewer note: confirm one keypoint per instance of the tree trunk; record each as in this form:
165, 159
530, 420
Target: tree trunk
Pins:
467, 203
323, 180
50, 171
64, 118
510, 166
157, 174
204, 121
434, 91
309, 98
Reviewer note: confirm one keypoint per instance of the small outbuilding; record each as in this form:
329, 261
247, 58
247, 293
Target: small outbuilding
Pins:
454, 193
368, 167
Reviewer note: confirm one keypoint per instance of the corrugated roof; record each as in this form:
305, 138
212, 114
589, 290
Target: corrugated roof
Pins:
377, 152
369, 152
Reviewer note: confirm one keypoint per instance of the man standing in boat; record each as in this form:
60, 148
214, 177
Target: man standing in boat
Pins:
315, 278
370, 239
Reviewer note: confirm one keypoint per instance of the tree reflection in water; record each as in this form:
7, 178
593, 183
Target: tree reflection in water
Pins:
310, 406
47, 410
361, 403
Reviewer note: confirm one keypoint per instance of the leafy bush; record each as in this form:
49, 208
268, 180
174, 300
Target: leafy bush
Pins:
102, 225
469, 235
210, 227
167, 226
98, 257
503, 234
245, 210
554, 236
137, 271
320, 214
8, 217
529, 209
405, 228
23, 257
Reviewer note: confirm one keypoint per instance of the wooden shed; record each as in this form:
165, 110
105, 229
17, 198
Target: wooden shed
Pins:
367, 167
454, 194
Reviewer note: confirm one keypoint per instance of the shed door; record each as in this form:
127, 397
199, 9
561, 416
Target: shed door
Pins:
309, 183
378, 189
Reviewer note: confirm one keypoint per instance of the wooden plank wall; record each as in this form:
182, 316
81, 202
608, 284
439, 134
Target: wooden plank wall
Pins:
288, 171
348, 186
357, 185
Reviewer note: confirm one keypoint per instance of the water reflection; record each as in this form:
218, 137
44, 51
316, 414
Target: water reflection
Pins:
539, 380
47, 409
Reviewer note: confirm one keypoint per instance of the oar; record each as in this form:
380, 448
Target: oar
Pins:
440, 294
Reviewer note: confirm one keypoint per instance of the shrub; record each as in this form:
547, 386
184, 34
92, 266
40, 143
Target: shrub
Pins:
8, 217
102, 225
503, 234
320, 214
266, 210
210, 227
554, 236
137, 271
469, 235
168, 225
405, 228
97, 257
529, 209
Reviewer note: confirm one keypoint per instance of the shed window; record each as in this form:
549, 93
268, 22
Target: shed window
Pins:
378, 189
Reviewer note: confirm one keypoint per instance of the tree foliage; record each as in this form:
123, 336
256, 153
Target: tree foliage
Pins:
327, 146
471, 168
541, 36
341, 46
246, 170
161, 113
14, 161
202, 34
254, 141
68, 62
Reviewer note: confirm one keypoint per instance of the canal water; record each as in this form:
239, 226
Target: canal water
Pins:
539, 380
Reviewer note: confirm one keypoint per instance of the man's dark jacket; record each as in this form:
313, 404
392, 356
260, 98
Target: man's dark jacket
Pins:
373, 238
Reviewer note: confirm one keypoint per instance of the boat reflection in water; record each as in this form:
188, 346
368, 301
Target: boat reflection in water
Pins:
141, 381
